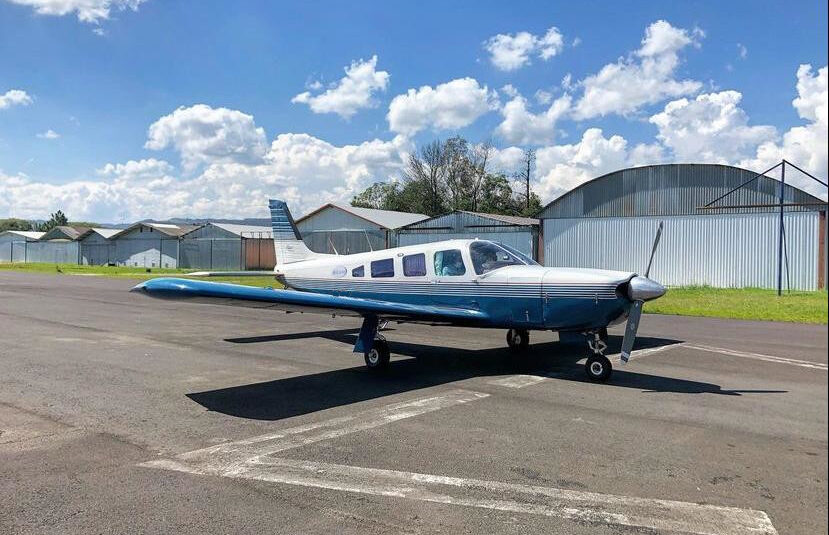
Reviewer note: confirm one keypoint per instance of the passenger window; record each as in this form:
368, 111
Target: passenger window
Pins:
449, 263
382, 268
359, 271
414, 265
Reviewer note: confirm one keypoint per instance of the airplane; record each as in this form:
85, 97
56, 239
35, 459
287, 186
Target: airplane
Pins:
461, 282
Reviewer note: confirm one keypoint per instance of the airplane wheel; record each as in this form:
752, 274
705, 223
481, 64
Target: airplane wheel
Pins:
518, 339
598, 368
377, 358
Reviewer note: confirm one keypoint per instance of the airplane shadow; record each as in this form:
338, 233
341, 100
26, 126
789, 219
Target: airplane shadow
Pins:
427, 366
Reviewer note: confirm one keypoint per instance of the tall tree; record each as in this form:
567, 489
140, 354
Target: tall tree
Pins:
56, 219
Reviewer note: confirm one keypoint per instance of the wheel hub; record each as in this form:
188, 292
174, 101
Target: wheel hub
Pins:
596, 368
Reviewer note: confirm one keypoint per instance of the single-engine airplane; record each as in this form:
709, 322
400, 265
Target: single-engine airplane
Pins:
474, 283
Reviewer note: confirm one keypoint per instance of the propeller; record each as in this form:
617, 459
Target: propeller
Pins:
641, 289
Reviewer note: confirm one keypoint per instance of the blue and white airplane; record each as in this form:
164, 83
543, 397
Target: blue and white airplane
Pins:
472, 283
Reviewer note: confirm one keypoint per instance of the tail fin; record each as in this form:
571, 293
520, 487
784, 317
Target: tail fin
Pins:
287, 241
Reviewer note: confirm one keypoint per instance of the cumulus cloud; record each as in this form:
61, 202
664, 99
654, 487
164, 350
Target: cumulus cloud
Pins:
451, 105
803, 145
526, 128
49, 134
711, 128
203, 135
91, 11
509, 52
352, 93
14, 97
644, 77
304, 170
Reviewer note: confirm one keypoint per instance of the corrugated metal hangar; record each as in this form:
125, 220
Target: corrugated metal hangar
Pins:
518, 232
610, 223
344, 229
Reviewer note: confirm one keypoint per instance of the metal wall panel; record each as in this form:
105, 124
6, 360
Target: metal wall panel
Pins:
737, 250
331, 229
673, 189
51, 252
523, 241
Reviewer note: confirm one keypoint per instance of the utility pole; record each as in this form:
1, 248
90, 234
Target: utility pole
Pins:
529, 155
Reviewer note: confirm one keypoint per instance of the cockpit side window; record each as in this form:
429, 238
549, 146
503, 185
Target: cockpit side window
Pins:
487, 256
449, 263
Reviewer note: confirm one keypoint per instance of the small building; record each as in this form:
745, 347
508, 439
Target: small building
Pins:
14, 244
610, 223
343, 229
150, 245
520, 233
97, 247
227, 246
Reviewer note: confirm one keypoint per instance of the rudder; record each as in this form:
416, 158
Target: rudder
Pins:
287, 241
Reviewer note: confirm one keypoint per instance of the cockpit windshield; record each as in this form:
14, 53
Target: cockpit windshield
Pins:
487, 256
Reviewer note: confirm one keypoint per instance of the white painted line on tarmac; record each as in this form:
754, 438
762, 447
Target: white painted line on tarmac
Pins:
517, 381
232, 453
616, 358
603, 509
758, 356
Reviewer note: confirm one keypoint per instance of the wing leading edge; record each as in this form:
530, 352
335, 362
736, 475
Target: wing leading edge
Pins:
295, 301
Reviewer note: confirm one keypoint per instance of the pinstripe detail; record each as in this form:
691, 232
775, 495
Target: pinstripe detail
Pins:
461, 289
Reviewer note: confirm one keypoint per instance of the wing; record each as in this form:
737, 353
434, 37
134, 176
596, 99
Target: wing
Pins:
295, 301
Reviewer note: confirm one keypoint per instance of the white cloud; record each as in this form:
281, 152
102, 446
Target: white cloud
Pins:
645, 77
526, 128
742, 51
509, 52
14, 97
352, 93
805, 145
49, 134
204, 135
711, 128
304, 170
92, 11
451, 105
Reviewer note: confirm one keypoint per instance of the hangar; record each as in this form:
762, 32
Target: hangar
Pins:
97, 249
14, 244
520, 233
610, 222
227, 246
149, 244
344, 229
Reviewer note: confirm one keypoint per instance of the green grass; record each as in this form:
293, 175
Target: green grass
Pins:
131, 273
743, 303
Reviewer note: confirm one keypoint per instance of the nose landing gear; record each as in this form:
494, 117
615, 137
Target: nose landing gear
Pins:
597, 367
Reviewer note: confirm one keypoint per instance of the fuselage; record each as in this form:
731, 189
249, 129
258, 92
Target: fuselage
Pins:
514, 291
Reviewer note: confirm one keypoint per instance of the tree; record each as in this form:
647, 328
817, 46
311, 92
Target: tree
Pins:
13, 223
57, 219
453, 175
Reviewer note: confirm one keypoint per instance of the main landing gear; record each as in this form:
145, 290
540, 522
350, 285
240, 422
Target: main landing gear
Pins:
373, 345
597, 367
518, 340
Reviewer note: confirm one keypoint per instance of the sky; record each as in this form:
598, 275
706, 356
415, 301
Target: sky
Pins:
118, 110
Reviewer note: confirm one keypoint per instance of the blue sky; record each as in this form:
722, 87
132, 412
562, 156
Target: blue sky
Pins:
90, 83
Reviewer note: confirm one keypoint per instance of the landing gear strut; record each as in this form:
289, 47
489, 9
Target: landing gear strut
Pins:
597, 367
373, 345
518, 339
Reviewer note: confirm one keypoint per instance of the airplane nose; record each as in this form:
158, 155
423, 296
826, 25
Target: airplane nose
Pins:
644, 289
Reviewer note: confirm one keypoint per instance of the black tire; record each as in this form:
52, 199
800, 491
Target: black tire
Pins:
598, 368
518, 339
377, 358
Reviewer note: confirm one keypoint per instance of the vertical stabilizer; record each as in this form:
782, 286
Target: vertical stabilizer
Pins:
287, 241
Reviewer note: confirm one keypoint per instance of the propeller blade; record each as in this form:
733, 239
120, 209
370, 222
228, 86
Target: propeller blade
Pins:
631, 328
655, 245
